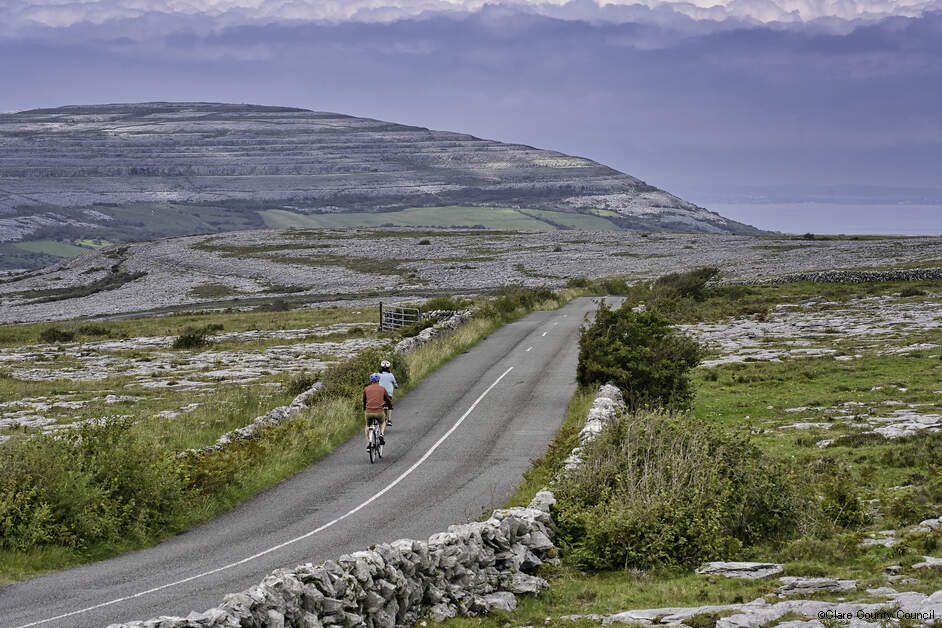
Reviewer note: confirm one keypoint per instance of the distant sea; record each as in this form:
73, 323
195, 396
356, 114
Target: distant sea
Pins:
835, 218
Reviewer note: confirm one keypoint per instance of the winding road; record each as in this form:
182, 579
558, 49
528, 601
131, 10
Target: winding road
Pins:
460, 442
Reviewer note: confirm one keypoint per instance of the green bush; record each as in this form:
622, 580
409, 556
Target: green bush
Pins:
91, 329
686, 285
640, 353
302, 382
444, 303
510, 300
56, 334
347, 379
96, 483
195, 337
659, 489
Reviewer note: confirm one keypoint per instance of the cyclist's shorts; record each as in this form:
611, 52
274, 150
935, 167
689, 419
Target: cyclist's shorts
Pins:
374, 415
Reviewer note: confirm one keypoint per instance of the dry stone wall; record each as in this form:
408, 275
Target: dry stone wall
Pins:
449, 322
852, 276
469, 569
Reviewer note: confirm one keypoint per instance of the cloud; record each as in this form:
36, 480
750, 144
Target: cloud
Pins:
687, 101
23, 15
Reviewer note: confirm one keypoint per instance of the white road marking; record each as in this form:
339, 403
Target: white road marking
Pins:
528, 349
545, 332
306, 535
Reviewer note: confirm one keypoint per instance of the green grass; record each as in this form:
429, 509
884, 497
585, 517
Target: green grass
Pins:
501, 218
173, 325
213, 291
214, 481
50, 247
763, 391
751, 398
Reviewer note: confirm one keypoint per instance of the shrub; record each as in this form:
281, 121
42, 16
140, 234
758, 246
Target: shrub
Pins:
612, 286
91, 329
56, 334
512, 299
347, 379
663, 489
444, 303
302, 382
686, 285
640, 353
195, 337
96, 483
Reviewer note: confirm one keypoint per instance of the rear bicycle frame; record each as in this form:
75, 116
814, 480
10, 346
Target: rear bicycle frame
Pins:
375, 444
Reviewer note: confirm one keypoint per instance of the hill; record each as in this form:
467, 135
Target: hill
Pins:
80, 177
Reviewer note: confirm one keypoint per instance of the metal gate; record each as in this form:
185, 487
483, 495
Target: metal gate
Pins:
397, 317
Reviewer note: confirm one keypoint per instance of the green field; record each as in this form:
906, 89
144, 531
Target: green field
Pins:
504, 218
51, 247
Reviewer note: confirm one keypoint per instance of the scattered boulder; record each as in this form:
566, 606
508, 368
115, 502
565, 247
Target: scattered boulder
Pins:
748, 571
798, 585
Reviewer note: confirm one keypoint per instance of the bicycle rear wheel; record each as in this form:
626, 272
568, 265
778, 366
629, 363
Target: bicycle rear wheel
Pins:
372, 446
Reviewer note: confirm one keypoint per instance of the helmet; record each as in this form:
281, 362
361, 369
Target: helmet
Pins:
374, 377
384, 364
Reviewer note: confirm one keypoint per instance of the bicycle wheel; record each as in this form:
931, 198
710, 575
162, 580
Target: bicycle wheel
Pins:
372, 445
379, 444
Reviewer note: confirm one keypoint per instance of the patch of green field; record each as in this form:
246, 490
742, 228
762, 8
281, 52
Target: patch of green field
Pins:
29, 333
51, 247
759, 394
213, 291
144, 221
502, 218
93, 243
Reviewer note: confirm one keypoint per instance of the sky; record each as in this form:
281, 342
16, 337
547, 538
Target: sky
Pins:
817, 116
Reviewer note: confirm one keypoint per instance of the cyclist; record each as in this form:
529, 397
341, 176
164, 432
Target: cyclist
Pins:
388, 381
375, 399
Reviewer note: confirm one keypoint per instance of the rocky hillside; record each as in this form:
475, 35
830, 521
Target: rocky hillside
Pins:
83, 176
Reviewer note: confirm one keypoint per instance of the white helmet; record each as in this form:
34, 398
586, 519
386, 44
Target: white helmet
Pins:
384, 364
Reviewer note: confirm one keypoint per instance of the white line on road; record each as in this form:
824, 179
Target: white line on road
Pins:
545, 332
528, 349
375, 496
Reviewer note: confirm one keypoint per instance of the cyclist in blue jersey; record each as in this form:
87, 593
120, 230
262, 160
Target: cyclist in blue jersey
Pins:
388, 381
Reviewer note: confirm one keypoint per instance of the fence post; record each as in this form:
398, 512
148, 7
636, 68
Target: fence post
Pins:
380, 316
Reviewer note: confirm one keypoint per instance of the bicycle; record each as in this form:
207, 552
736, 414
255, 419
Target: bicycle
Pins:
376, 441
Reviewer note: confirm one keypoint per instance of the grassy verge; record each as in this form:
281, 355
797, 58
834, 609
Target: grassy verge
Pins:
815, 414
119, 484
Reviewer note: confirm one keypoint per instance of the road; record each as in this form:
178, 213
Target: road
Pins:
460, 442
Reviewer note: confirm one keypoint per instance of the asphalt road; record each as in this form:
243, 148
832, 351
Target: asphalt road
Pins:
460, 443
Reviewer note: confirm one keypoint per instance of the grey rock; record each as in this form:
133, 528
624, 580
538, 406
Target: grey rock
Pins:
745, 570
928, 562
796, 585
501, 601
